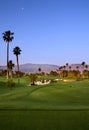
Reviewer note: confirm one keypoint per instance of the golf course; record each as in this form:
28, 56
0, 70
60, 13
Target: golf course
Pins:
56, 106
44, 65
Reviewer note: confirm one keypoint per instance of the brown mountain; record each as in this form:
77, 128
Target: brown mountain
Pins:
44, 67
34, 67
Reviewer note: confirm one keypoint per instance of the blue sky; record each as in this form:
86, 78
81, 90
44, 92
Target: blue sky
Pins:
47, 31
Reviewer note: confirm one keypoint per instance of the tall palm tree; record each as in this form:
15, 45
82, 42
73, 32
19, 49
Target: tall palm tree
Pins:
17, 51
8, 37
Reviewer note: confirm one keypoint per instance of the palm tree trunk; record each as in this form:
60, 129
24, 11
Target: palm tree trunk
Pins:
17, 68
10, 73
7, 60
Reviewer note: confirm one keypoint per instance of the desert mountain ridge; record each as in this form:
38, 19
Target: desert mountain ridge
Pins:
29, 67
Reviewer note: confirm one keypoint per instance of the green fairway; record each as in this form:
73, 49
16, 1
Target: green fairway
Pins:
57, 106
44, 120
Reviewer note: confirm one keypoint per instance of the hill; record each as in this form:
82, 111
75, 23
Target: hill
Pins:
34, 67
30, 68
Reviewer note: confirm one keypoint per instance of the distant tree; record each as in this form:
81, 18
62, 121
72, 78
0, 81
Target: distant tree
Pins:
3, 72
64, 67
63, 73
39, 69
54, 73
67, 66
70, 73
77, 67
74, 74
43, 73
33, 78
60, 68
10, 65
8, 37
83, 66
86, 73
21, 74
17, 52
86, 66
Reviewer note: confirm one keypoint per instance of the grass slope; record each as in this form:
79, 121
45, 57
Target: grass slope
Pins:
74, 95
57, 106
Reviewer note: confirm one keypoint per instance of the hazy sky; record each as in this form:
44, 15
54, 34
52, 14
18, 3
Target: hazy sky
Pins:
47, 31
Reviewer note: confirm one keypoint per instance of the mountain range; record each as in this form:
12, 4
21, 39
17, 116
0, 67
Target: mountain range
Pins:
29, 68
34, 67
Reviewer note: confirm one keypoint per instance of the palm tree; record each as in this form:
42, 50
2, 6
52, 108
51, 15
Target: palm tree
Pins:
86, 66
17, 51
83, 65
8, 37
77, 67
10, 65
39, 69
67, 66
64, 67
60, 69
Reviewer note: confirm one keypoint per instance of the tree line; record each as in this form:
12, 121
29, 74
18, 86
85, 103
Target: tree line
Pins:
80, 71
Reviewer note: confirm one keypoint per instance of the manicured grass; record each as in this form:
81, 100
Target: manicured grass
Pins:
57, 106
73, 95
44, 120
